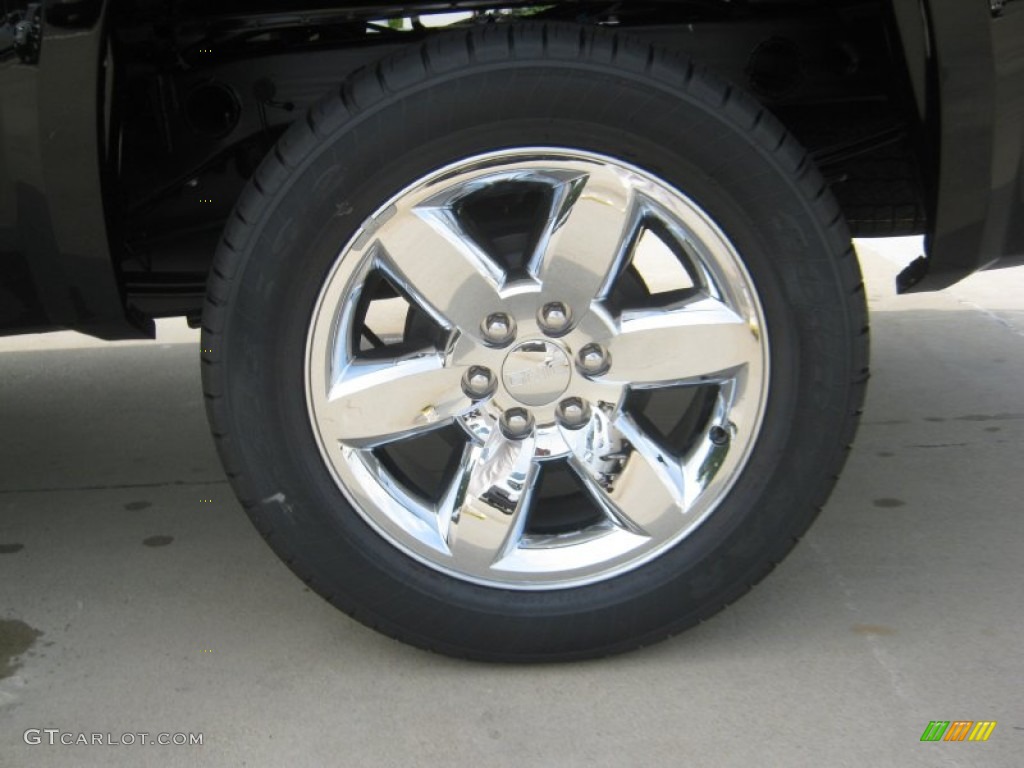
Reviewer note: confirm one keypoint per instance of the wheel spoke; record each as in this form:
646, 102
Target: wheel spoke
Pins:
588, 238
378, 402
439, 267
702, 340
639, 485
483, 513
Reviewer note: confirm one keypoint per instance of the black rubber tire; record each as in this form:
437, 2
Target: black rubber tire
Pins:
460, 94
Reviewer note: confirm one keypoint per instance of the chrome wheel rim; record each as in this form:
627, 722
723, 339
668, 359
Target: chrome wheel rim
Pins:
534, 358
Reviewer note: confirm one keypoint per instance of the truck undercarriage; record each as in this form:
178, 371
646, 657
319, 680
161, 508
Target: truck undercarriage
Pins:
201, 94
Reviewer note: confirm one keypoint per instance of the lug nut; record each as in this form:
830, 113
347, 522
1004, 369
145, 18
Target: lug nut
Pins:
718, 435
516, 423
554, 318
573, 413
594, 360
478, 382
499, 329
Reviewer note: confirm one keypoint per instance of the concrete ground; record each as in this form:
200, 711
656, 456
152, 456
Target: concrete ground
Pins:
135, 596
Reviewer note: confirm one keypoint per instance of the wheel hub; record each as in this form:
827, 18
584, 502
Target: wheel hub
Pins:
536, 372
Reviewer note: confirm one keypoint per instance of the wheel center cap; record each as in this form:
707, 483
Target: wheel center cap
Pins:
536, 372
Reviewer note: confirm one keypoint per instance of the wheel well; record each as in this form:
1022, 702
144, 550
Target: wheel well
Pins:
201, 97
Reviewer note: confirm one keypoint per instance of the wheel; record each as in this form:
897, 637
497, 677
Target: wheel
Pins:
534, 343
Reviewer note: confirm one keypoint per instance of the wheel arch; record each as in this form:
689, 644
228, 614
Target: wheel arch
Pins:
829, 71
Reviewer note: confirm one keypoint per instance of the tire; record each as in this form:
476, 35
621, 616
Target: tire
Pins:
492, 128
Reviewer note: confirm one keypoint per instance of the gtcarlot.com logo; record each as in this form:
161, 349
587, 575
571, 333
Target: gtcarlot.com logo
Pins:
958, 730
56, 737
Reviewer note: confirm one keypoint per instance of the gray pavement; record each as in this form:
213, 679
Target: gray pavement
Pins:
135, 596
